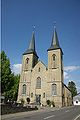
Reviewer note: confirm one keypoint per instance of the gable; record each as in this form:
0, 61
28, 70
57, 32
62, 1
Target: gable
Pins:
40, 66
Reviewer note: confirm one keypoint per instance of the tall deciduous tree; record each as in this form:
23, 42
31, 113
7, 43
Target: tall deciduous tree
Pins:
6, 75
9, 82
72, 87
15, 87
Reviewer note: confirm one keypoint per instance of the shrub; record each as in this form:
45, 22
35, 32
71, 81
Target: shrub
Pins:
52, 103
22, 101
48, 102
28, 100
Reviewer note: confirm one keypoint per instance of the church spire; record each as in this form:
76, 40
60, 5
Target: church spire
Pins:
31, 48
55, 42
32, 43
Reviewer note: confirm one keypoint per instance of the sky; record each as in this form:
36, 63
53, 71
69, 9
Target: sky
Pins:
17, 20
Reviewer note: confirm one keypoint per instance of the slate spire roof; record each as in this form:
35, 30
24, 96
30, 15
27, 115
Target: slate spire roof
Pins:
31, 48
55, 42
32, 43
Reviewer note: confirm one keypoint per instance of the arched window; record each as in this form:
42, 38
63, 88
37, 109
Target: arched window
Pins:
27, 60
54, 57
38, 83
54, 89
54, 61
39, 69
24, 89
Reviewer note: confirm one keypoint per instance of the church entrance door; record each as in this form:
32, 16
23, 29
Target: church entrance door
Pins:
38, 99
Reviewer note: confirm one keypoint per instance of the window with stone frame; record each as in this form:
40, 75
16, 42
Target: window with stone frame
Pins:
27, 60
26, 63
54, 89
24, 89
39, 69
38, 83
54, 61
54, 57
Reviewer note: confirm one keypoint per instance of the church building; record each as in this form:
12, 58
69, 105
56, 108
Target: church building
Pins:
40, 82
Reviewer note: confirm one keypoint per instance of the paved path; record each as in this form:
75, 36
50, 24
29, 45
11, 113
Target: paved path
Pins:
68, 113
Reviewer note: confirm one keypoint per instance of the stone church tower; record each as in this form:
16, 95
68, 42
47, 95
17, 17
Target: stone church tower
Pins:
40, 82
55, 69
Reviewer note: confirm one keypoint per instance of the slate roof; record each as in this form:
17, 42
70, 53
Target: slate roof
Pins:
55, 42
31, 48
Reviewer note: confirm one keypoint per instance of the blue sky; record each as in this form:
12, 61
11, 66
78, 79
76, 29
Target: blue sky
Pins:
18, 18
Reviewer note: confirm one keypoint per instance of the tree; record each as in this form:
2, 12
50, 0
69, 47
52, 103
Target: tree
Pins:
72, 87
15, 87
9, 82
6, 74
13, 92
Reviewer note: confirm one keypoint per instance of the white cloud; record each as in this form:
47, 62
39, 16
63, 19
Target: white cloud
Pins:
16, 68
66, 75
71, 68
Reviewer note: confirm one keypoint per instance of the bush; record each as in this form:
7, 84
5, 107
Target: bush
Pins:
48, 102
22, 101
52, 103
28, 100
8, 109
